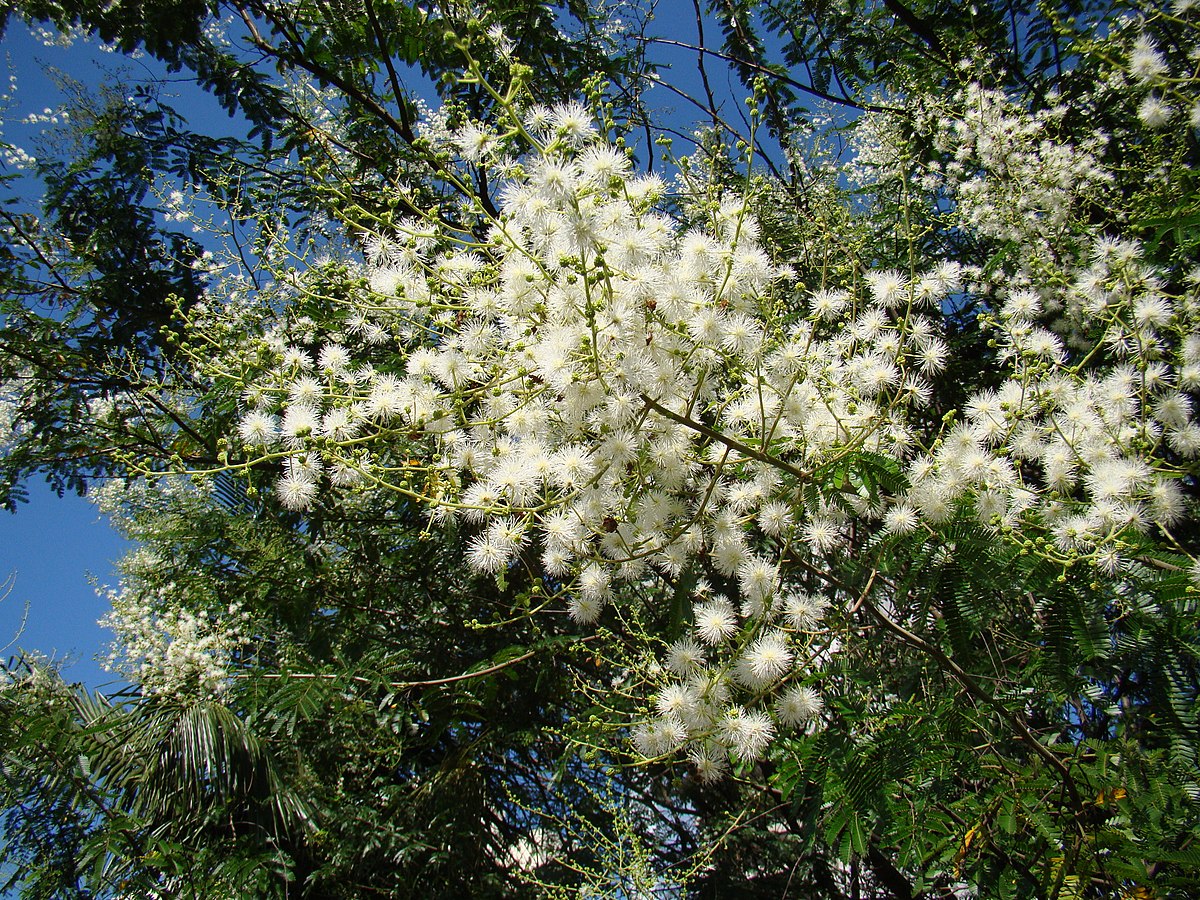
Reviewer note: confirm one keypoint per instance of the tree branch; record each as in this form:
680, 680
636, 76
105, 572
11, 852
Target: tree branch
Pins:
976, 690
778, 76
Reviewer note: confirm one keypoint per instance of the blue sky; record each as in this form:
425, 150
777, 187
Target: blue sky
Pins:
52, 549
48, 548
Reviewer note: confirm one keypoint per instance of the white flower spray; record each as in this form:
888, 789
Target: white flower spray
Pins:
613, 397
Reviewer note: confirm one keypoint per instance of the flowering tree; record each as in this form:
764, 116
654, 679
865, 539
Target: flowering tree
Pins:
841, 478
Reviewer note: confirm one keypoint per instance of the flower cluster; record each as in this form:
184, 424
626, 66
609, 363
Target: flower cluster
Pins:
611, 397
1006, 171
620, 398
1088, 433
1166, 85
729, 688
165, 642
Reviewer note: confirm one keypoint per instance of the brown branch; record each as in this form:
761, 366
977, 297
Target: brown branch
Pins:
777, 76
353, 92
407, 685
916, 25
976, 690
346, 87
391, 69
731, 443
712, 103
397, 685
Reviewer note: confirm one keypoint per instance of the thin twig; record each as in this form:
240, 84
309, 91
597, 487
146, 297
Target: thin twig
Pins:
731, 443
778, 76
976, 690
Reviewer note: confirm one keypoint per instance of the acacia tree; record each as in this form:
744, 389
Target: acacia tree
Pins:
861, 455
383, 756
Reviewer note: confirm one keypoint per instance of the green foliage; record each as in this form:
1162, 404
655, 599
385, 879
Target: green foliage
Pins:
324, 701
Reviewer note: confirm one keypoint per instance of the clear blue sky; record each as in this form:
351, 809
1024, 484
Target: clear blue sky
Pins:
47, 550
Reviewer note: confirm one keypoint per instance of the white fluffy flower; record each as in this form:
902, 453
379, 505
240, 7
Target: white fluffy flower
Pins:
258, 429
805, 611
1155, 112
765, 661
747, 733
758, 579
659, 737
686, 657
715, 621
296, 488
798, 705
1146, 63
